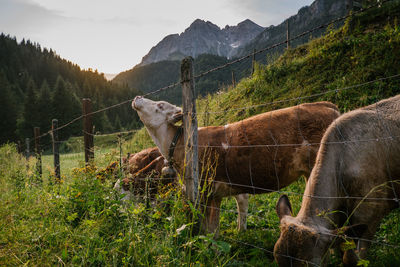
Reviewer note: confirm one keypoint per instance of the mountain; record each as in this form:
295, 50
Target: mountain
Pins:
222, 45
318, 13
150, 77
203, 37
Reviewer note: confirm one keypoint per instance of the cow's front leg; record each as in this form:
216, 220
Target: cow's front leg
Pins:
211, 216
242, 204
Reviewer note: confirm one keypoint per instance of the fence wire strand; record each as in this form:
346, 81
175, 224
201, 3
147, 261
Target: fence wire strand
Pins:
299, 99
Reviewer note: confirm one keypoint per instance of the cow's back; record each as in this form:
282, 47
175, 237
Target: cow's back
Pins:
270, 150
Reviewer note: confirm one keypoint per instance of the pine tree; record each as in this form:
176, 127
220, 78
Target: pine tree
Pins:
7, 112
30, 113
66, 107
44, 107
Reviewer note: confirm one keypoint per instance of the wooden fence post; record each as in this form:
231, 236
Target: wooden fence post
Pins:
56, 151
38, 153
191, 174
120, 151
253, 62
233, 79
19, 147
287, 34
349, 6
87, 130
27, 148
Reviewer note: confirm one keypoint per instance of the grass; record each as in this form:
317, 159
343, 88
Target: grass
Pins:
82, 221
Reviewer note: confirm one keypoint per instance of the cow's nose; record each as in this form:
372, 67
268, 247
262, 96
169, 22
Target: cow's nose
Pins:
135, 102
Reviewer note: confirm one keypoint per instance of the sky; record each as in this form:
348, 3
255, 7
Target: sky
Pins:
113, 35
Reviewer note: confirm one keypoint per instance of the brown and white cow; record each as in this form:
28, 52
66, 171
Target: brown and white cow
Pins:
255, 155
149, 163
359, 158
135, 162
136, 167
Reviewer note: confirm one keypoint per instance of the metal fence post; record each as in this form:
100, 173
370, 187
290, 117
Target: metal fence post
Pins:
191, 174
87, 130
56, 151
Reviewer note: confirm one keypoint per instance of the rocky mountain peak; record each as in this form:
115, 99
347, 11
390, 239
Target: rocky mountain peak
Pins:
203, 37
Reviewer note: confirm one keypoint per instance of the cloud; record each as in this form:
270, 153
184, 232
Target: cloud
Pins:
17, 16
113, 36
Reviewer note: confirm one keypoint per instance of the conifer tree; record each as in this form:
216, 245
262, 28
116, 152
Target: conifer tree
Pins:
7, 112
65, 107
44, 107
30, 113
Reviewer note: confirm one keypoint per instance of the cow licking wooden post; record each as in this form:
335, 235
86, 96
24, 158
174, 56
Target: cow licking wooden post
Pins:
191, 174
87, 130
253, 156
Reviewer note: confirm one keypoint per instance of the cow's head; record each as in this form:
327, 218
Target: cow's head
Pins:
306, 245
156, 113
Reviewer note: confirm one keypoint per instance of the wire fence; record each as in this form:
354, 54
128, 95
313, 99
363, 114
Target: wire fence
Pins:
385, 140
378, 4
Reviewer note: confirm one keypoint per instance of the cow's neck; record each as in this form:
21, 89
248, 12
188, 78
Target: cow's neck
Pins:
162, 137
320, 196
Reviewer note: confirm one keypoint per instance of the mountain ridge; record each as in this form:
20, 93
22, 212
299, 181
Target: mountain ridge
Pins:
203, 37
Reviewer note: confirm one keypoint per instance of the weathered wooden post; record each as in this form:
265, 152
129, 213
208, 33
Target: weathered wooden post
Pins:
253, 62
19, 147
56, 151
287, 34
349, 6
233, 79
38, 153
27, 148
87, 130
191, 174
120, 151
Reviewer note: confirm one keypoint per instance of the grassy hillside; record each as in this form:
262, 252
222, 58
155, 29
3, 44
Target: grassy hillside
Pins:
82, 222
365, 49
153, 76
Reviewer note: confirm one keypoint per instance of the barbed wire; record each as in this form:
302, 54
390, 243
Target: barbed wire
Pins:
305, 97
378, 4
248, 214
114, 133
275, 145
268, 251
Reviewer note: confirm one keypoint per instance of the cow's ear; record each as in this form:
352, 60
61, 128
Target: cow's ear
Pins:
283, 207
175, 117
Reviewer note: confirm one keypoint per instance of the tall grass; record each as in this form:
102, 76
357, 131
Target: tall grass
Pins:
82, 221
